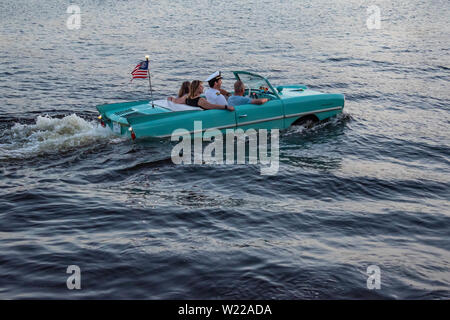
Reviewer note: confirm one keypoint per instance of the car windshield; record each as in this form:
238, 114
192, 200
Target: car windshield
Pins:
254, 82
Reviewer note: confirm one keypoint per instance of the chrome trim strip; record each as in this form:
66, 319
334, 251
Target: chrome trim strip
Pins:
203, 130
260, 120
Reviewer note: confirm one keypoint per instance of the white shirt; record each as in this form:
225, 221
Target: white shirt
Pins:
215, 97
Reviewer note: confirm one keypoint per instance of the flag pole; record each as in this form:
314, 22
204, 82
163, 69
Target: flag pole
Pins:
149, 79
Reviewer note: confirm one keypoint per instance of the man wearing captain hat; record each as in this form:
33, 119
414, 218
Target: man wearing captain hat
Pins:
215, 94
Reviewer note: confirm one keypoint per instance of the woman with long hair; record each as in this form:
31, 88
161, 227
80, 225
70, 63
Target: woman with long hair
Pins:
193, 98
184, 89
182, 93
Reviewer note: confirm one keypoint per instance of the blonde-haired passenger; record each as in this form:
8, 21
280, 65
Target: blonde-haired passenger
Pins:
193, 99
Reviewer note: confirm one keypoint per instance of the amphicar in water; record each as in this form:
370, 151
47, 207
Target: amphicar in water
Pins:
288, 105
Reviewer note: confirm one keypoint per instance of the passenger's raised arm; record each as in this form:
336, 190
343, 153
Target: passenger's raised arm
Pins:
206, 105
238, 97
181, 100
259, 101
182, 93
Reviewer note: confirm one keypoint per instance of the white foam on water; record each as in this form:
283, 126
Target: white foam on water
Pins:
338, 119
51, 135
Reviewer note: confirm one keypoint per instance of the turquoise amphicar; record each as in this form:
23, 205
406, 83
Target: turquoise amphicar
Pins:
288, 105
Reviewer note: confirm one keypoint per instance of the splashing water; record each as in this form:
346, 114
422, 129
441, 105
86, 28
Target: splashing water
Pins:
50, 135
340, 119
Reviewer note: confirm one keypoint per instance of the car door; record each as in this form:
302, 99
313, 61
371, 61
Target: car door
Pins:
265, 116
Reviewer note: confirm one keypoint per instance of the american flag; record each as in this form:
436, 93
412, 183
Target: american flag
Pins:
140, 71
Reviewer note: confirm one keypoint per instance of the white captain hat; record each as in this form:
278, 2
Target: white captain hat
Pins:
215, 76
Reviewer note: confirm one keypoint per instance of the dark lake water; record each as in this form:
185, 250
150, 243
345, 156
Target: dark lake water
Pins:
370, 187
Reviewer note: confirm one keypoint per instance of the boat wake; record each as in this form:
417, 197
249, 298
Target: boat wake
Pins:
340, 119
50, 135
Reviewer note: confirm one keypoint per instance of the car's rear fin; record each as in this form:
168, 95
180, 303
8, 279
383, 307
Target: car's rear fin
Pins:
141, 118
102, 109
